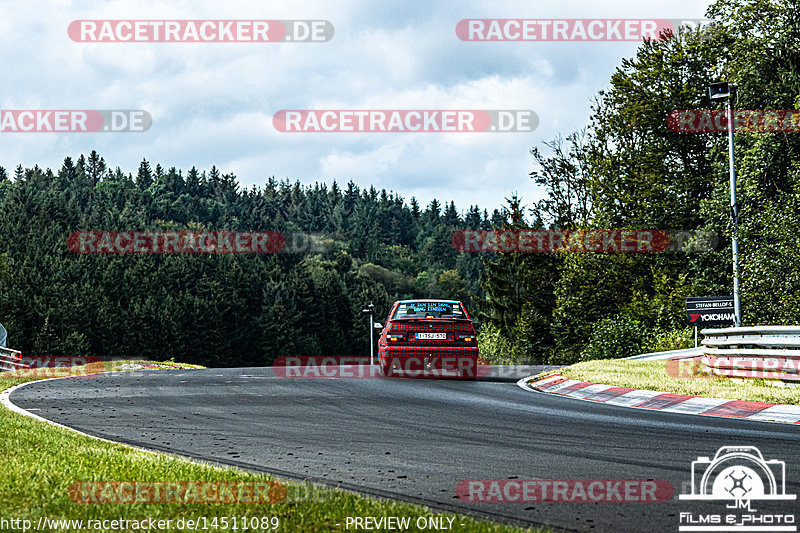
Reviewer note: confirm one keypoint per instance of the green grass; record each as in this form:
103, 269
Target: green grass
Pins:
680, 378
39, 463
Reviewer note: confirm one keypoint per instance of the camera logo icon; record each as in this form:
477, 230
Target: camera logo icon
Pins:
738, 473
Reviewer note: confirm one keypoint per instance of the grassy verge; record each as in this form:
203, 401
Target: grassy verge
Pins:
678, 377
40, 463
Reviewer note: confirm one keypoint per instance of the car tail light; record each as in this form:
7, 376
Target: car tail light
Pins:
466, 338
395, 336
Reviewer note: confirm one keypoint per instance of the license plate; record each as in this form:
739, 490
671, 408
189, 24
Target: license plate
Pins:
432, 336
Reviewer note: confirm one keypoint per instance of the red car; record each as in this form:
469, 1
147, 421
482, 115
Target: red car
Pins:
430, 338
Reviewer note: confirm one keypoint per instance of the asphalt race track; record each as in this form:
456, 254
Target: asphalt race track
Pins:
415, 439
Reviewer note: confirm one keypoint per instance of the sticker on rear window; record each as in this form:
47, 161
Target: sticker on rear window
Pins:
430, 309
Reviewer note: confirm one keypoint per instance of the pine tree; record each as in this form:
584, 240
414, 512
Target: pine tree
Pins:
144, 178
415, 208
68, 173
472, 220
433, 212
351, 196
451, 217
193, 181
96, 168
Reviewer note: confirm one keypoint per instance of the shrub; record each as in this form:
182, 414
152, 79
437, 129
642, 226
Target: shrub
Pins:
494, 346
614, 338
670, 340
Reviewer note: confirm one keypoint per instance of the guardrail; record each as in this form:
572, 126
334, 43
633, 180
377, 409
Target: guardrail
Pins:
670, 354
10, 360
767, 352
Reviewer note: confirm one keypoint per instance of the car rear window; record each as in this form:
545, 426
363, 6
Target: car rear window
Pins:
429, 309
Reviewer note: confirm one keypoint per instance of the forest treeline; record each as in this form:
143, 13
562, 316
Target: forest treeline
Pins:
216, 309
626, 169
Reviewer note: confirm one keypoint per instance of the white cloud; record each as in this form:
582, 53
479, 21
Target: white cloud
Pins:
213, 103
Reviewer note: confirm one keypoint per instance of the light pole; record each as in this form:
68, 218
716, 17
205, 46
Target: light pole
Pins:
370, 309
727, 91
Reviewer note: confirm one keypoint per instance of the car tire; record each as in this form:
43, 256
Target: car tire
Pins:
386, 369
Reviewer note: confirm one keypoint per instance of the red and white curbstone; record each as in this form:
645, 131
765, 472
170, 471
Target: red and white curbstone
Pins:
664, 401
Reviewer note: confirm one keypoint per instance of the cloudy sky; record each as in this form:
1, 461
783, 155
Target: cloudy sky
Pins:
213, 103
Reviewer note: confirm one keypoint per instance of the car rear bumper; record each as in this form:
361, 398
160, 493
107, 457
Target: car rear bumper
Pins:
439, 352
460, 360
